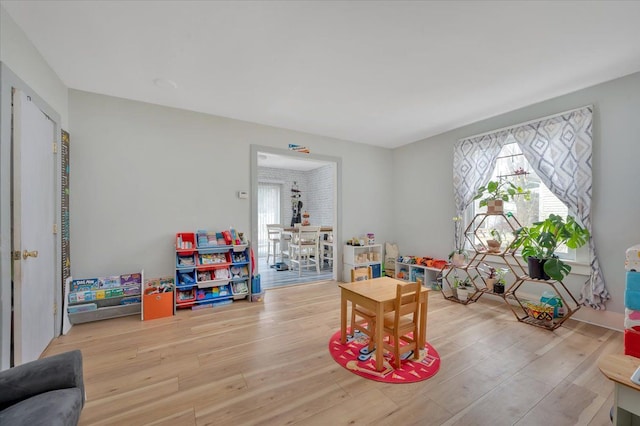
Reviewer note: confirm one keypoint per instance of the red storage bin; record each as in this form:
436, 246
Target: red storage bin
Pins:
632, 342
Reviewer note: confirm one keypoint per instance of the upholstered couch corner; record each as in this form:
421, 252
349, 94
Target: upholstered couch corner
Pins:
48, 391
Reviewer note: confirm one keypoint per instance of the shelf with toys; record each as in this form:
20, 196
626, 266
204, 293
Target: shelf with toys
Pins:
93, 299
212, 268
356, 256
427, 270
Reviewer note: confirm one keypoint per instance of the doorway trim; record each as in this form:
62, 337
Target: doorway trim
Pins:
337, 190
8, 81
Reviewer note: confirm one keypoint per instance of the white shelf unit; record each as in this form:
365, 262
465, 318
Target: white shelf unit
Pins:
412, 272
359, 256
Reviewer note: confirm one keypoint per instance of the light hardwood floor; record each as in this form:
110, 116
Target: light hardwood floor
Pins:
268, 364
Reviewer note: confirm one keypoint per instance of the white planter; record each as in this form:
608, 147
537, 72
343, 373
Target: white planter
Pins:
463, 294
459, 259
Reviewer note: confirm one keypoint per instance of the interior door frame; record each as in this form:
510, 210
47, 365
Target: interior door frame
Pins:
9, 81
337, 190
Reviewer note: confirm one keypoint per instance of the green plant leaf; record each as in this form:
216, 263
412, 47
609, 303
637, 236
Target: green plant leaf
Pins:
556, 269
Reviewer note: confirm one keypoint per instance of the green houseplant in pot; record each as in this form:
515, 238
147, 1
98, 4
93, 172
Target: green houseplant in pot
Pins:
495, 193
540, 241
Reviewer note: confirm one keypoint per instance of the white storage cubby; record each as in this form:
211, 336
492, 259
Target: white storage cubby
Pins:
358, 256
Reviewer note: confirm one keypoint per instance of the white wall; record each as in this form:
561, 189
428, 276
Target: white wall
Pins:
141, 172
17, 52
424, 182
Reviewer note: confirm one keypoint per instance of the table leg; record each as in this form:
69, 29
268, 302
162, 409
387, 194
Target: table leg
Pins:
343, 318
379, 336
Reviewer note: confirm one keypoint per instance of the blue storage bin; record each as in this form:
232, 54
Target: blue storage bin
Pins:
255, 284
632, 299
633, 281
376, 270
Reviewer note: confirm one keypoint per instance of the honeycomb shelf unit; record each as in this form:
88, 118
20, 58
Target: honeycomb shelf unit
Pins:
477, 234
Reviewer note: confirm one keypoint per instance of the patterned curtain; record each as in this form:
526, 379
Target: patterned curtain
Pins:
559, 150
473, 162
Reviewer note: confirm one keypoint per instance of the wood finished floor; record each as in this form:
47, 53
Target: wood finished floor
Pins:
268, 364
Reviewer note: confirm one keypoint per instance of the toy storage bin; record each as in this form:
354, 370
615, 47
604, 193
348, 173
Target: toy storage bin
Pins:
157, 305
240, 288
206, 239
185, 260
186, 279
185, 297
213, 258
185, 242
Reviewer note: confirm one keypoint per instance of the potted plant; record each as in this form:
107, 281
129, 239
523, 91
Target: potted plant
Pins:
495, 193
462, 288
540, 241
494, 243
500, 283
491, 278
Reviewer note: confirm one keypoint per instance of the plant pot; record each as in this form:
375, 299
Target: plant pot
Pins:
489, 282
495, 207
498, 288
463, 294
494, 246
536, 268
458, 259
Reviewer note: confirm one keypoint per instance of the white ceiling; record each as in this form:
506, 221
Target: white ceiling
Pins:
384, 73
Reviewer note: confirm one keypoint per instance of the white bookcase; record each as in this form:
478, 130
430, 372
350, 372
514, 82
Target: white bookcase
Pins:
358, 256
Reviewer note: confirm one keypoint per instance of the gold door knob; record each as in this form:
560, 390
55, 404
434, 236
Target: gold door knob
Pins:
26, 254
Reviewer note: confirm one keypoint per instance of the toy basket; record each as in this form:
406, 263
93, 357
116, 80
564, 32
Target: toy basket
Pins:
539, 311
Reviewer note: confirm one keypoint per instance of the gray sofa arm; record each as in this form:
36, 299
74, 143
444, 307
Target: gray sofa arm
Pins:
55, 372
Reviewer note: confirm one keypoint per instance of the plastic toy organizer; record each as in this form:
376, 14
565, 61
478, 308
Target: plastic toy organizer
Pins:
209, 271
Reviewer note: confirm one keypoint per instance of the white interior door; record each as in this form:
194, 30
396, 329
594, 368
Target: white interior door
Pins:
34, 204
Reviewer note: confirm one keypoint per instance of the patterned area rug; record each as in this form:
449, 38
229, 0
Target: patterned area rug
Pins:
354, 357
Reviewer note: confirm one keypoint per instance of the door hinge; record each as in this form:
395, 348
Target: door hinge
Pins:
55, 308
16, 255
55, 229
55, 148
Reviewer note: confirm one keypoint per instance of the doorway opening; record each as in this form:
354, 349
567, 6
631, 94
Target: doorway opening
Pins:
293, 189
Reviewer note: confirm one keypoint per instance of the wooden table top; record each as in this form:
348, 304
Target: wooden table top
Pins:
619, 368
379, 289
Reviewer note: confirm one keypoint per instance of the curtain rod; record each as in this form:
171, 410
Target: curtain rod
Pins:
526, 122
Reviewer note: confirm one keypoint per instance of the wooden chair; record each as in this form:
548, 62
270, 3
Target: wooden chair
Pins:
402, 321
304, 248
274, 236
362, 319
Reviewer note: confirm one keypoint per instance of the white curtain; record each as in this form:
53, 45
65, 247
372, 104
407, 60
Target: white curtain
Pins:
559, 150
268, 212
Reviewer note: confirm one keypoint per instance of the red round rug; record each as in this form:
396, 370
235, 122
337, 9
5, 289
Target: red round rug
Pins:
354, 357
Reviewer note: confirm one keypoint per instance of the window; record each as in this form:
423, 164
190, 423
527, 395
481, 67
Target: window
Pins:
512, 165
268, 213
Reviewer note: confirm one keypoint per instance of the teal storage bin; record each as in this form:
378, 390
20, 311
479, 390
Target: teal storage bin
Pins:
551, 299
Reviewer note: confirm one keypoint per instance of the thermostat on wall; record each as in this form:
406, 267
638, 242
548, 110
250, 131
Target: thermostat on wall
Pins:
243, 194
